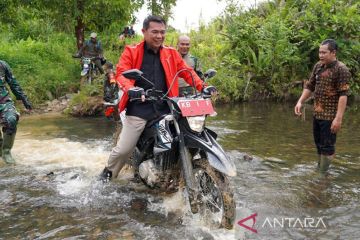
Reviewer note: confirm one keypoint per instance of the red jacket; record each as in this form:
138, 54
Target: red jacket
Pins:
171, 61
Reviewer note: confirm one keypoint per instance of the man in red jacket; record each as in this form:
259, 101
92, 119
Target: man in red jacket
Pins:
159, 65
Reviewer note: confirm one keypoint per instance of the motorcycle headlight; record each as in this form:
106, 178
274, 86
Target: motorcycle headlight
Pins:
196, 123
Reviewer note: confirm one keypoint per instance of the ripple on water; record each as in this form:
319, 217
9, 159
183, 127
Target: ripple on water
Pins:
71, 204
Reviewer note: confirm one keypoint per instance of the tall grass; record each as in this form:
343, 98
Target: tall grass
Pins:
44, 68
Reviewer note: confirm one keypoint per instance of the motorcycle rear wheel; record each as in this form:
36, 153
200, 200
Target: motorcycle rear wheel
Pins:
217, 205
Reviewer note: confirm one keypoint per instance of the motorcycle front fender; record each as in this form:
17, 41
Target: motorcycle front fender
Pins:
84, 72
214, 152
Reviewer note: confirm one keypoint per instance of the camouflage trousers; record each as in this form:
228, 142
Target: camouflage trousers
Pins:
8, 117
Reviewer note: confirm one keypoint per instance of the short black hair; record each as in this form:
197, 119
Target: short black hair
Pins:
152, 18
332, 45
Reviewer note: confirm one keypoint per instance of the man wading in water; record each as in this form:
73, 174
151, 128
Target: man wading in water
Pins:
329, 81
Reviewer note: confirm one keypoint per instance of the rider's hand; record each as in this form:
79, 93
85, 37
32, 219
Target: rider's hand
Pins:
210, 90
102, 60
113, 86
27, 104
136, 93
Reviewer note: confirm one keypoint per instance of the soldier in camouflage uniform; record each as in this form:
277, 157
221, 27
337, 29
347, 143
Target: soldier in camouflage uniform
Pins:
92, 48
329, 81
8, 114
183, 47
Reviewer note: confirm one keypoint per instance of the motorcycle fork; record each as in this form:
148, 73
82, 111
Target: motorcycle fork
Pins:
90, 73
187, 168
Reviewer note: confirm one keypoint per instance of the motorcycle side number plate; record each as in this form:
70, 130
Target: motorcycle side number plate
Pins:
190, 108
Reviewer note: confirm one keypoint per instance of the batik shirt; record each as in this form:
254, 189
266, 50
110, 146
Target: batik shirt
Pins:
328, 82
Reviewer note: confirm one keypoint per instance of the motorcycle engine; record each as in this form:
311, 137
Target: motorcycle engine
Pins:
149, 173
158, 170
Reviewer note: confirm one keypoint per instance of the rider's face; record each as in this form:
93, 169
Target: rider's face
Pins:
93, 40
183, 46
154, 36
325, 55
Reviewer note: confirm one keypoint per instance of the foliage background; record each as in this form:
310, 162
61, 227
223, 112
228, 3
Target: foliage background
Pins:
260, 53
267, 52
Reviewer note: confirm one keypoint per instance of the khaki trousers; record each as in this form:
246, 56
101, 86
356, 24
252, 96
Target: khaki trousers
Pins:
130, 133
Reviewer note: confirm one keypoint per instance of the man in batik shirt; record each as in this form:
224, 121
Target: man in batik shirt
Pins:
329, 82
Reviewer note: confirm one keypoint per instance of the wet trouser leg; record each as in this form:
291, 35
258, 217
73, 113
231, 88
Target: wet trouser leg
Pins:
99, 66
130, 133
325, 143
8, 118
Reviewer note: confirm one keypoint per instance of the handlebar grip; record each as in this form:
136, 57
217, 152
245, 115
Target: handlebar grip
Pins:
206, 96
134, 99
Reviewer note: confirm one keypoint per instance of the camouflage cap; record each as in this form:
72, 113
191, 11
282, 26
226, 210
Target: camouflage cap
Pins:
93, 35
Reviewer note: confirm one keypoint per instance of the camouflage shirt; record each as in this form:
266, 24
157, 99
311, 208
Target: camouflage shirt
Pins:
91, 49
328, 82
6, 76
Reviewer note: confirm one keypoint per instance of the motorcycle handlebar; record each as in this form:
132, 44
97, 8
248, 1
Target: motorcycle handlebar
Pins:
82, 57
150, 96
92, 58
108, 104
112, 104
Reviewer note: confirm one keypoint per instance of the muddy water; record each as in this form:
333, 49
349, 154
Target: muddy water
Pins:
52, 193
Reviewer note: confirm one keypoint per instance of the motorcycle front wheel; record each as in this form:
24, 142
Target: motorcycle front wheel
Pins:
90, 76
217, 205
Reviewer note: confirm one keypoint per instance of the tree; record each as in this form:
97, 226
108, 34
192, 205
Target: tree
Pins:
77, 15
161, 7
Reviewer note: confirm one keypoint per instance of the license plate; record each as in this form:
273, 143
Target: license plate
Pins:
198, 107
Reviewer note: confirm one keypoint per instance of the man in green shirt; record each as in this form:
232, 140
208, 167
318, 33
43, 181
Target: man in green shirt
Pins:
92, 48
183, 47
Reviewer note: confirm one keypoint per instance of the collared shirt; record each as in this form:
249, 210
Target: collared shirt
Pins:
328, 82
91, 49
153, 71
192, 62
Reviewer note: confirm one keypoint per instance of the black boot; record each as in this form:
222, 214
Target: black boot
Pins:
105, 176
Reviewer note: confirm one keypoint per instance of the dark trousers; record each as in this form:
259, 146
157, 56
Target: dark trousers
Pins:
324, 139
9, 117
99, 66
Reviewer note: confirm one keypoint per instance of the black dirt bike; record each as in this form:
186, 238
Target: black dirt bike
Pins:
89, 69
176, 151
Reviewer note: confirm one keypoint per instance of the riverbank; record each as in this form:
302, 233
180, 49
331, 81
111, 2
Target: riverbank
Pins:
93, 106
